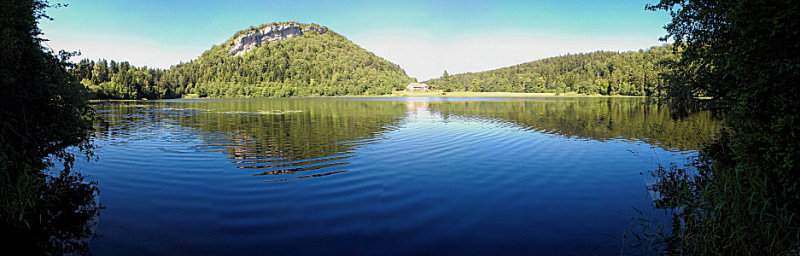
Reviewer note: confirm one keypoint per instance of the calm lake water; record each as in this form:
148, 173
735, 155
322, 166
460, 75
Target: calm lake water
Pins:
383, 176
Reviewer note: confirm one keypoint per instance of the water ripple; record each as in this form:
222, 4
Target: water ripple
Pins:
389, 177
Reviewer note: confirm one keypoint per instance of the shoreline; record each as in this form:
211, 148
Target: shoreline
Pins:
495, 94
402, 94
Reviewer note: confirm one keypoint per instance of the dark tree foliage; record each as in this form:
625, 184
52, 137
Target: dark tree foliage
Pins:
314, 64
43, 111
742, 58
606, 73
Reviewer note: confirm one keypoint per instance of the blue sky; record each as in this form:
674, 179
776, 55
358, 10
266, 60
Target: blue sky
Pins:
424, 37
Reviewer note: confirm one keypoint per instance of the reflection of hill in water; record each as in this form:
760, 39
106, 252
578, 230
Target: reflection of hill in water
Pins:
272, 136
308, 138
594, 118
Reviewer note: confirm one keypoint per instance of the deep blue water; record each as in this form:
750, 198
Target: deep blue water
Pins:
379, 177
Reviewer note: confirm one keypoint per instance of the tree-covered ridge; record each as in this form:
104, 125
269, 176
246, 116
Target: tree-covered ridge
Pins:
601, 72
325, 64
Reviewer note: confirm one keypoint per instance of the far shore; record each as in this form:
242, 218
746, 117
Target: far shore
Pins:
399, 94
493, 94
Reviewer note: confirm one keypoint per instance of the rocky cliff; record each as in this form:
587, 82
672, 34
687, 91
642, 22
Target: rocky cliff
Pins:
270, 33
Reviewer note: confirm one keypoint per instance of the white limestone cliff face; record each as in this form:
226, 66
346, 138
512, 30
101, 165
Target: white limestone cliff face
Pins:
253, 39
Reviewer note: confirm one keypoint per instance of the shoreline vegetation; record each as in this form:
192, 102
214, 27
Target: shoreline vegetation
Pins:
412, 94
740, 58
46, 208
741, 195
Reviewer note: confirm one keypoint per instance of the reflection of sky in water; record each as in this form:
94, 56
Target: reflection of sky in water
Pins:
369, 177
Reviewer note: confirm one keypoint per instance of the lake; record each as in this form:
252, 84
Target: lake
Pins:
385, 176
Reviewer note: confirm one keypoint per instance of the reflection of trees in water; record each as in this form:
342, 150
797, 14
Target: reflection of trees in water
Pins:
273, 136
62, 221
292, 130
120, 121
303, 138
596, 119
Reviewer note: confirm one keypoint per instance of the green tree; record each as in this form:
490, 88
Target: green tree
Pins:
312, 64
43, 112
626, 73
741, 58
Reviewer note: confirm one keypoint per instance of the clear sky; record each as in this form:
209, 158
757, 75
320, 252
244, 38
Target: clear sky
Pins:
423, 37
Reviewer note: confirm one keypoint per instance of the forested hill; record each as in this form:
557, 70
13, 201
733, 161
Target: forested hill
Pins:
601, 72
272, 60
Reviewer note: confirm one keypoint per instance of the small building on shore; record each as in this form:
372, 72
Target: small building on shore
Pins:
417, 87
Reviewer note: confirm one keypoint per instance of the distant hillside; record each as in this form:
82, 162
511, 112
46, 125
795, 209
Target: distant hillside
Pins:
272, 60
601, 72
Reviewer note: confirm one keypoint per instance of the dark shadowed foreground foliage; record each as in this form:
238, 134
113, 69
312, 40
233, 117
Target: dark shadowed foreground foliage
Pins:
43, 112
742, 195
